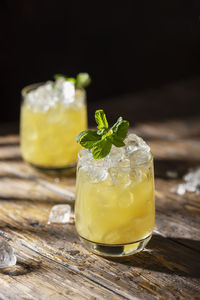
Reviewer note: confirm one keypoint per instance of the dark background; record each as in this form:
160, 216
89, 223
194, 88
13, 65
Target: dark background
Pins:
143, 56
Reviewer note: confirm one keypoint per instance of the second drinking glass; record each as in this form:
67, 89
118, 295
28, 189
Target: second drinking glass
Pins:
52, 114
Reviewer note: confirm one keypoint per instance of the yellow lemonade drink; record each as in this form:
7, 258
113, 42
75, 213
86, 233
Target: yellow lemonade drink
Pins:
115, 207
50, 122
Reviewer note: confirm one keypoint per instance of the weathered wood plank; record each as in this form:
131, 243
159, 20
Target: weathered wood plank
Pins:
36, 277
21, 180
168, 269
170, 129
164, 262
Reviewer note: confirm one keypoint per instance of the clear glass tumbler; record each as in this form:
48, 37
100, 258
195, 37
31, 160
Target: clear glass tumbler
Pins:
115, 206
49, 125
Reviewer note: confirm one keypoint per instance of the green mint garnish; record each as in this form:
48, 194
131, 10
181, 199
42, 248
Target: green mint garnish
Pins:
57, 76
82, 80
101, 140
102, 123
88, 138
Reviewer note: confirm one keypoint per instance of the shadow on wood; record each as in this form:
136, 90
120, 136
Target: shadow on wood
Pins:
181, 167
165, 255
22, 268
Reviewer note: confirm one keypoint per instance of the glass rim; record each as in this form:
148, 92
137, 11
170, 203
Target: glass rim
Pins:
147, 163
26, 89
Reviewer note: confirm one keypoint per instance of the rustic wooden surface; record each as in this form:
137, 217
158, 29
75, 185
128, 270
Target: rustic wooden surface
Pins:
51, 262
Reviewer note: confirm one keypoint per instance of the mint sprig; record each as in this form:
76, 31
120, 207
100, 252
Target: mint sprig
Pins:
101, 140
82, 80
88, 138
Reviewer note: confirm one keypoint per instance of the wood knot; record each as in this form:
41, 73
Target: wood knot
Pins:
21, 268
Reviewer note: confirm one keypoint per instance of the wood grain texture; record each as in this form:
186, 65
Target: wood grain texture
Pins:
52, 264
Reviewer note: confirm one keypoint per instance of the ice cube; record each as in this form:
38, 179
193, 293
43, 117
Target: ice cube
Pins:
134, 143
42, 98
84, 160
48, 95
98, 170
65, 90
139, 157
115, 156
126, 199
172, 174
68, 92
84, 157
120, 176
181, 189
59, 83
60, 214
192, 183
97, 174
136, 175
7, 256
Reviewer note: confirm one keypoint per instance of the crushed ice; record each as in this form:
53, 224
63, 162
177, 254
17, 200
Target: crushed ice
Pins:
7, 256
118, 163
49, 94
192, 183
135, 143
60, 213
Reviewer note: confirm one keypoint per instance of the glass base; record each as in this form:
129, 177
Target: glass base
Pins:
116, 250
67, 170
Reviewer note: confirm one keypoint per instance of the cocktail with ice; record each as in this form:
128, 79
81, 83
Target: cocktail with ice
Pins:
51, 116
115, 208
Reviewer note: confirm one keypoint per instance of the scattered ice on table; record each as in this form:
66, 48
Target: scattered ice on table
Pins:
192, 183
57, 179
172, 174
147, 250
60, 214
7, 256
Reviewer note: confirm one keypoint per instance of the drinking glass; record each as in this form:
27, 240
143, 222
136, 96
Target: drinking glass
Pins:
48, 128
115, 206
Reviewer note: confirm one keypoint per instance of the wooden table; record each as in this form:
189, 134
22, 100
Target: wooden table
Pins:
51, 262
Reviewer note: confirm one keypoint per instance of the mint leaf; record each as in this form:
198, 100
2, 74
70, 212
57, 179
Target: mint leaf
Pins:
57, 76
117, 141
101, 120
101, 149
79, 136
120, 128
101, 140
101, 132
88, 138
72, 79
83, 80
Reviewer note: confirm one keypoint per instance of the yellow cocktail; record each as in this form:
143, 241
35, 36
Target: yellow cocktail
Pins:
48, 129
115, 207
